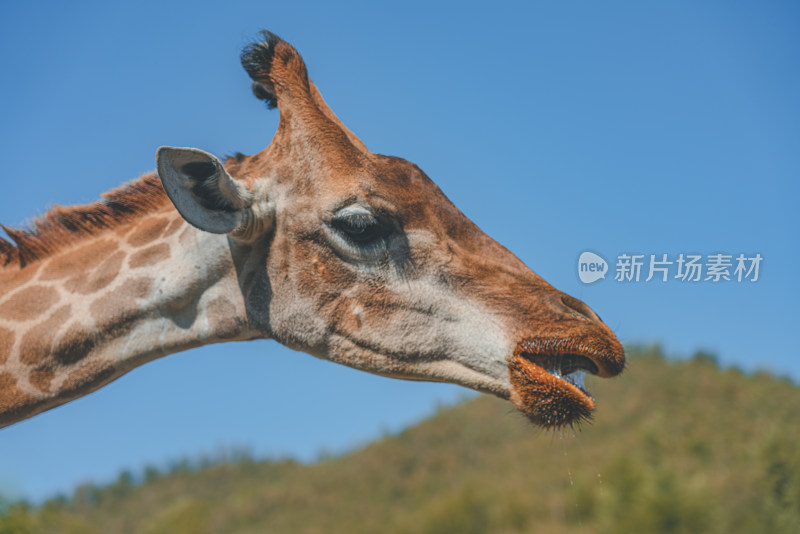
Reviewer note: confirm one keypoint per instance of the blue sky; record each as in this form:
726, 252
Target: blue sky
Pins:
615, 127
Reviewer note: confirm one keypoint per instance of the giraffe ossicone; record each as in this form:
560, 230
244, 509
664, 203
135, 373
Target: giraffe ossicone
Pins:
315, 242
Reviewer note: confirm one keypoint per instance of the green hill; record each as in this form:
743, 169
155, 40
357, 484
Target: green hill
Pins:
675, 447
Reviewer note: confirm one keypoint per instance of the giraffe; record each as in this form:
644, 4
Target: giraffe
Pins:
316, 242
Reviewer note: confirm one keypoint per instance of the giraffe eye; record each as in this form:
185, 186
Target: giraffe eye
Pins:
362, 228
357, 234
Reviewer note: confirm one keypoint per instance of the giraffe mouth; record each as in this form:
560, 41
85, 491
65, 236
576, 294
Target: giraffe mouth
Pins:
548, 381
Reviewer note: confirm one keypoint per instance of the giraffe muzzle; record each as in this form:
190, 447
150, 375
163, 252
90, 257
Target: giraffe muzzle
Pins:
547, 376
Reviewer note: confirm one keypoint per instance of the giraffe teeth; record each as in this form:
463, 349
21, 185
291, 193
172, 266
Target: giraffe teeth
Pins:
576, 377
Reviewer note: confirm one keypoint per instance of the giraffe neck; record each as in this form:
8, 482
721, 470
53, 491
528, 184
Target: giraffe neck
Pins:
77, 320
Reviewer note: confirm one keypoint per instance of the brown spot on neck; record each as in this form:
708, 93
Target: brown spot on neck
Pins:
36, 343
76, 344
79, 260
105, 273
114, 307
12, 401
79, 342
173, 227
29, 303
41, 377
149, 256
6, 344
13, 277
148, 231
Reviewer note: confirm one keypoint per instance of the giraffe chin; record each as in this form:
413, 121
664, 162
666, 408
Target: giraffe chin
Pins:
548, 398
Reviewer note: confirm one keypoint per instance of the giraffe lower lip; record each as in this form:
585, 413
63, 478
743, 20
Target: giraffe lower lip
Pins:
548, 396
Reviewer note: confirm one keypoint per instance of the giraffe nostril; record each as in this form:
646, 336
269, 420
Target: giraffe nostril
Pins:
580, 308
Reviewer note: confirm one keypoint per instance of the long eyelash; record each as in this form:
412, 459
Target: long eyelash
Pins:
360, 221
357, 226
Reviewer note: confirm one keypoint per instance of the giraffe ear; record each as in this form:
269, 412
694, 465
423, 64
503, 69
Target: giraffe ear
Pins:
202, 190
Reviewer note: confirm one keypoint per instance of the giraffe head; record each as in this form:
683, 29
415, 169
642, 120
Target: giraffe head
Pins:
360, 258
